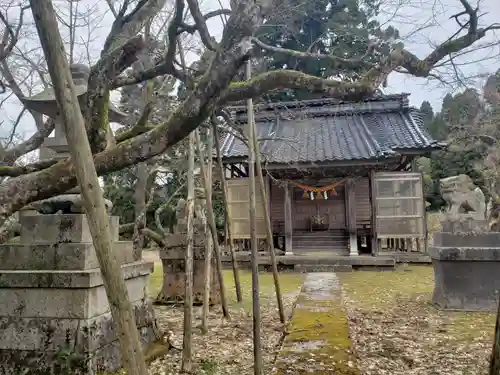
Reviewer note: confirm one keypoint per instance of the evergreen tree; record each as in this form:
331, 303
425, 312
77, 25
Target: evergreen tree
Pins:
427, 111
341, 28
458, 123
434, 124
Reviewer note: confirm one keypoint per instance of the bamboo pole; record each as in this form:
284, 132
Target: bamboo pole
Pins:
257, 350
122, 311
213, 230
187, 342
269, 231
227, 216
209, 243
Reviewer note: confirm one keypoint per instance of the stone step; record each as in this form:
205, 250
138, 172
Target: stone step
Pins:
317, 246
308, 249
320, 239
318, 243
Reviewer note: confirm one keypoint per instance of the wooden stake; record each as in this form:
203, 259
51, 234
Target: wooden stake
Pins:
213, 230
257, 350
495, 354
269, 230
227, 216
74, 126
187, 363
209, 243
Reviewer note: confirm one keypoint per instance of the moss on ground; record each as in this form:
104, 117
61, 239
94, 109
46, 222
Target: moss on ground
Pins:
412, 287
317, 340
330, 328
289, 282
374, 290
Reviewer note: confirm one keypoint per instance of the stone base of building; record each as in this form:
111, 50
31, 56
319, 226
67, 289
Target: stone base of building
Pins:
466, 271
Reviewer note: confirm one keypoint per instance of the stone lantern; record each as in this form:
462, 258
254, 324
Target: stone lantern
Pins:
56, 147
46, 104
53, 302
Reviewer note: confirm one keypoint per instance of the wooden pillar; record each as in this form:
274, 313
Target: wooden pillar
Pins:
373, 199
424, 214
351, 216
288, 221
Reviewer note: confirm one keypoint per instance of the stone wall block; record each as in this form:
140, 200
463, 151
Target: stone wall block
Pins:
62, 256
180, 239
67, 279
60, 228
467, 240
87, 362
466, 271
83, 335
179, 252
69, 303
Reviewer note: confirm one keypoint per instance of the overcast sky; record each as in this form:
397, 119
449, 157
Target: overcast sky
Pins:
409, 19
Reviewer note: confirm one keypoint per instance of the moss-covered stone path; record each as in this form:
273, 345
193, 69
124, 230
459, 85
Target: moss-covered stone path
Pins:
317, 340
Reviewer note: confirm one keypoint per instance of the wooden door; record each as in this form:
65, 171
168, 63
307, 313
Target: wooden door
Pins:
239, 209
399, 205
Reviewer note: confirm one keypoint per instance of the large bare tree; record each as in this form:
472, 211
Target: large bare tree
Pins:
213, 87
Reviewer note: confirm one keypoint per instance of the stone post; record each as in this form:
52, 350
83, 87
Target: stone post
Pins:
173, 260
465, 257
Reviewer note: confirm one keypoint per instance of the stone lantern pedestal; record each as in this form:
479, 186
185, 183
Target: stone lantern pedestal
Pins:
173, 260
466, 264
54, 312
53, 304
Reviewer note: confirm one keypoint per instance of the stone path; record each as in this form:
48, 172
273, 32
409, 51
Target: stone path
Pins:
318, 340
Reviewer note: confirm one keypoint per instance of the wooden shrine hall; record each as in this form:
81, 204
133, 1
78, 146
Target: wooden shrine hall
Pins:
338, 175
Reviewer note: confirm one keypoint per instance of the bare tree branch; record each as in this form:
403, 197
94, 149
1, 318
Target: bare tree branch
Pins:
211, 89
166, 66
201, 25
11, 36
198, 105
335, 60
192, 28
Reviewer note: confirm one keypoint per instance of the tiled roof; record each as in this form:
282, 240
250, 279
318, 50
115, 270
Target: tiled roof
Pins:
319, 131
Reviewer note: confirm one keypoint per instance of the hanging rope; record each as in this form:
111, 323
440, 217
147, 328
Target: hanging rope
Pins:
319, 192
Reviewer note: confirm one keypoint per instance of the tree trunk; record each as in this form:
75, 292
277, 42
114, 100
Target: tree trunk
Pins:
257, 350
213, 230
227, 216
495, 355
187, 363
269, 231
74, 126
209, 244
